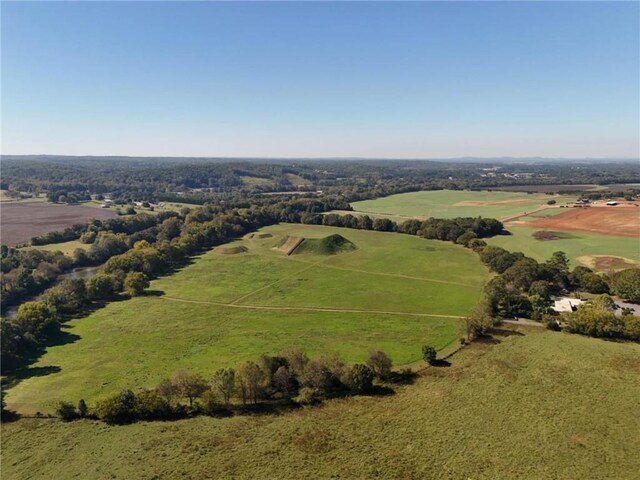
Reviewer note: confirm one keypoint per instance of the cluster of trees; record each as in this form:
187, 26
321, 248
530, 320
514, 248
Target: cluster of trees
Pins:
597, 318
526, 288
28, 272
56, 195
290, 378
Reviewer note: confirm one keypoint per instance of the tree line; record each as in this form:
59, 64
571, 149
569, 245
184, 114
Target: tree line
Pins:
289, 380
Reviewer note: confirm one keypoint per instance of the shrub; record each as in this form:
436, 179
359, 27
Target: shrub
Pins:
429, 354
135, 283
360, 378
307, 396
117, 409
66, 411
83, 410
380, 363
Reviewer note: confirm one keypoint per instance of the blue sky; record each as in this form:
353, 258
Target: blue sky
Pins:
411, 80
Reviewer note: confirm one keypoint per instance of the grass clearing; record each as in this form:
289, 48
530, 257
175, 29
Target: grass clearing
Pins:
537, 405
458, 203
394, 292
65, 247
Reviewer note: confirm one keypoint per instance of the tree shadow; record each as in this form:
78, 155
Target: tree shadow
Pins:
505, 332
441, 363
32, 372
405, 377
487, 340
154, 293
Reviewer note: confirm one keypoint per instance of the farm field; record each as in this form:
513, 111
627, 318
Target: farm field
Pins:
532, 404
393, 292
25, 219
579, 246
621, 220
458, 203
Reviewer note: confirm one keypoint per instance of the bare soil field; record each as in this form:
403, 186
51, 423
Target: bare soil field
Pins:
621, 220
20, 221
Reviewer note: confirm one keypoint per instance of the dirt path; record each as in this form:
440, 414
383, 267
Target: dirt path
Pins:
524, 214
305, 309
525, 322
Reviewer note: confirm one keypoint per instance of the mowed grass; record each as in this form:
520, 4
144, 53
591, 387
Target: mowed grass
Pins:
395, 292
579, 244
454, 203
537, 405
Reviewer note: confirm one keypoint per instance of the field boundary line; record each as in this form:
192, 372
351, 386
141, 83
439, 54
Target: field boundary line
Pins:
307, 309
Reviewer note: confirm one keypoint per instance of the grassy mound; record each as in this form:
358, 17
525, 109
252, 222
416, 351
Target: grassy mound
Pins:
331, 245
232, 250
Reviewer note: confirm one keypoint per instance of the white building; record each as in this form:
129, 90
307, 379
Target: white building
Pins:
566, 304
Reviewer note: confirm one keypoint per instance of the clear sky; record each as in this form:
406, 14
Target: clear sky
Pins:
411, 80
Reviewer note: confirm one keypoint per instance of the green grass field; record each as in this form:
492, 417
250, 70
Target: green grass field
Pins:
579, 244
533, 406
454, 203
394, 292
65, 247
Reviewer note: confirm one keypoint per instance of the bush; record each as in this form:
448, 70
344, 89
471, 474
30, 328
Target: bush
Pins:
380, 363
83, 410
135, 283
307, 396
429, 354
66, 411
360, 378
118, 409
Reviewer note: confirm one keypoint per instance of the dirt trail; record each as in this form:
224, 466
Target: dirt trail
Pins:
305, 309
511, 218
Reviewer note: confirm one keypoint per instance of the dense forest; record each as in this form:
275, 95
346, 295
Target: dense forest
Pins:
202, 180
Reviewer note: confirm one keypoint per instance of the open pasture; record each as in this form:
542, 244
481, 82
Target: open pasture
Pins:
393, 292
458, 203
579, 246
482, 417
23, 220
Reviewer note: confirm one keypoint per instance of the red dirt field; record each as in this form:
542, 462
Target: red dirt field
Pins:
19, 221
622, 220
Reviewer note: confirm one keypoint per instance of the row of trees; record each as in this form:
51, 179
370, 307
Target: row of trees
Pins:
461, 230
290, 378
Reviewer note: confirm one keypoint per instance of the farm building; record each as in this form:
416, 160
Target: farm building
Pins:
566, 304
